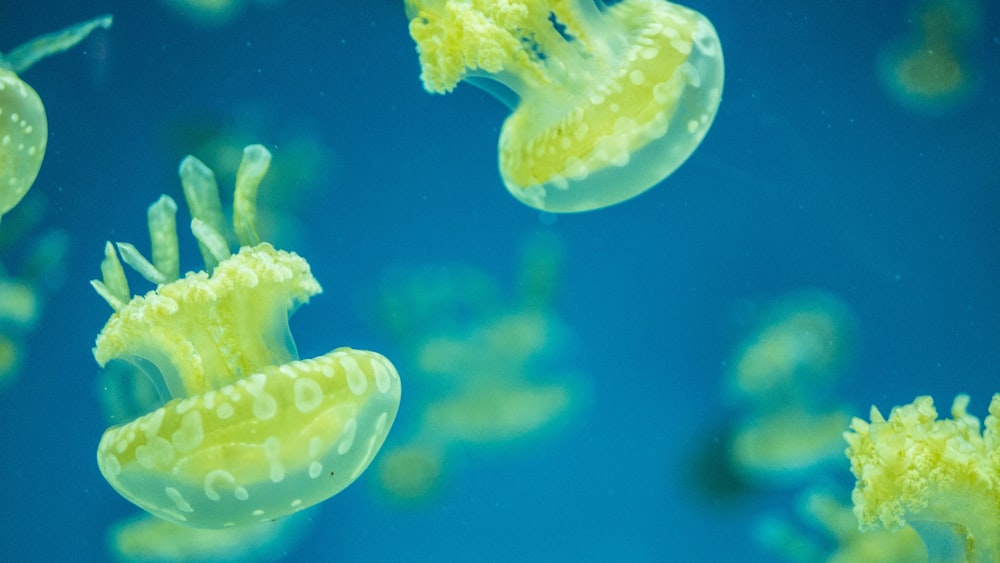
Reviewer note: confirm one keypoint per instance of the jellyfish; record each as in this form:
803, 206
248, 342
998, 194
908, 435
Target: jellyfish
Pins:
606, 101
248, 431
23, 128
929, 71
145, 538
939, 476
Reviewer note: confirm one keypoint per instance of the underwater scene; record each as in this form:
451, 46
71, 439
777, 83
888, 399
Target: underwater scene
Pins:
499, 280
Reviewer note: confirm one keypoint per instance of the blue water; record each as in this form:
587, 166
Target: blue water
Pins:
810, 177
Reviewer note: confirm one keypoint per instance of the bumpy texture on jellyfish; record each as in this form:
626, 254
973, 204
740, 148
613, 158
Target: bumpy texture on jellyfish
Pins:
941, 477
610, 100
23, 128
250, 432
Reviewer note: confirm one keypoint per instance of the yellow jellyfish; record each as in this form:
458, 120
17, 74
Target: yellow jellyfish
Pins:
607, 100
23, 128
940, 477
250, 432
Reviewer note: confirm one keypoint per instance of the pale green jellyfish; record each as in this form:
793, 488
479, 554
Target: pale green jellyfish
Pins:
24, 130
249, 432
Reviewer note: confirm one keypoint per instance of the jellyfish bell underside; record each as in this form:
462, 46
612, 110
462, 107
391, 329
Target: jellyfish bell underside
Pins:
270, 444
604, 138
624, 134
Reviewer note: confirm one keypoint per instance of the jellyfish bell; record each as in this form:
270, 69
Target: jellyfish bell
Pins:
24, 134
250, 432
607, 101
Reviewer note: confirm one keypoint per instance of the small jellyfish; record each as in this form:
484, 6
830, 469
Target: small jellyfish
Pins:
929, 71
23, 127
607, 101
248, 432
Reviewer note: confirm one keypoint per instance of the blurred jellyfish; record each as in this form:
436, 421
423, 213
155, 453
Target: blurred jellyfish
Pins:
785, 447
784, 426
929, 71
146, 538
214, 13
483, 369
411, 473
796, 351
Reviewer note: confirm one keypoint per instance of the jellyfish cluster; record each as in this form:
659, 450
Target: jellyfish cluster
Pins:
606, 101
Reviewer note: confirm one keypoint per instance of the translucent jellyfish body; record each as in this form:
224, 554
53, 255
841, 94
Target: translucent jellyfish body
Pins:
607, 100
23, 127
250, 432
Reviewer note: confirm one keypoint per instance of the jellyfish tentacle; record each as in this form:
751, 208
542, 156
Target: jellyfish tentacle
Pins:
24, 56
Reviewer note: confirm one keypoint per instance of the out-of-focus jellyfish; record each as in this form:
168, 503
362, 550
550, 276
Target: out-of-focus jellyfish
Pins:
798, 346
148, 539
607, 100
411, 473
784, 428
940, 477
213, 12
248, 432
928, 71
785, 447
23, 127
482, 367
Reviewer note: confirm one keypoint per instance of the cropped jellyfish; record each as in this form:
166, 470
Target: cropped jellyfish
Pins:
799, 345
23, 128
606, 101
248, 432
939, 476
787, 446
213, 13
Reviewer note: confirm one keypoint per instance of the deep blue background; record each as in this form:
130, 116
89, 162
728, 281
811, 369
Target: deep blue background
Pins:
810, 177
